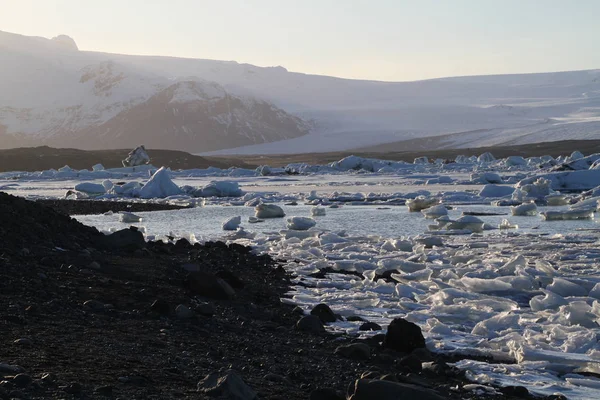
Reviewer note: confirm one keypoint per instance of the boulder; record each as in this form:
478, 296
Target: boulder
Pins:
324, 313
126, 239
354, 351
207, 285
226, 385
403, 336
368, 389
310, 323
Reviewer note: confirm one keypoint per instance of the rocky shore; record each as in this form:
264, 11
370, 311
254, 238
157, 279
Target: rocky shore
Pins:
88, 316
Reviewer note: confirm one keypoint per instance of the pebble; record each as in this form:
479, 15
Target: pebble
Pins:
22, 380
206, 309
94, 304
183, 312
24, 342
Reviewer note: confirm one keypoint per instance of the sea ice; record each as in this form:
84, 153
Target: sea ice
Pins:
435, 211
129, 217
567, 215
268, 211
159, 185
232, 223
90, 188
525, 209
300, 223
317, 211
420, 203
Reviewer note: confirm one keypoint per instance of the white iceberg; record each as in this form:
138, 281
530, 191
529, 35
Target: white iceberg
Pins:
435, 211
129, 217
137, 156
420, 203
467, 222
300, 223
220, 189
268, 211
567, 215
90, 188
525, 209
317, 211
491, 190
159, 185
232, 223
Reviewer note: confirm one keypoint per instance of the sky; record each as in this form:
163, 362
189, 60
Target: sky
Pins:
391, 40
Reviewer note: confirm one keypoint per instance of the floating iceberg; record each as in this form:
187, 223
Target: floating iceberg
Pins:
420, 203
129, 217
491, 190
159, 185
300, 223
467, 222
317, 211
232, 223
567, 215
90, 188
525, 209
435, 211
505, 224
220, 189
137, 156
268, 211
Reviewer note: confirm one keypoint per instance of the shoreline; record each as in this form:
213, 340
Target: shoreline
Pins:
131, 319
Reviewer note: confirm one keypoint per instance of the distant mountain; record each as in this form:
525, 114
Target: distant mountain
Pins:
52, 93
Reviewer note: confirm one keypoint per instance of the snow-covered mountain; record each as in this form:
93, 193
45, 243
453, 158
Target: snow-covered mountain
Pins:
52, 93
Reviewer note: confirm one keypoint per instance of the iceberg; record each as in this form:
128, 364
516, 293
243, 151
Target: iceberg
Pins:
232, 223
525, 209
300, 223
137, 156
268, 211
567, 215
159, 185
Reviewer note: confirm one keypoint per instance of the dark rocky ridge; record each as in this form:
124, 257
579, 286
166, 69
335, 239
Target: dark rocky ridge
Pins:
90, 320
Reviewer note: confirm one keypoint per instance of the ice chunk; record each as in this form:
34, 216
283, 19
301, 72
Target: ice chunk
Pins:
556, 200
566, 288
137, 156
420, 203
567, 215
486, 177
467, 222
549, 301
505, 224
538, 189
491, 190
90, 188
421, 160
491, 327
486, 157
129, 217
232, 223
98, 167
525, 209
435, 211
159, 185
268, 211
300, 223
317, 211
220, 189
515, 161
254, 220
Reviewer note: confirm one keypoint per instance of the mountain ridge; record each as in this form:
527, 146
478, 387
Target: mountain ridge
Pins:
322, 113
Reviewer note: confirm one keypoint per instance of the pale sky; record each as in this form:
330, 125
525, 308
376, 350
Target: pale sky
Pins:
394, 40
